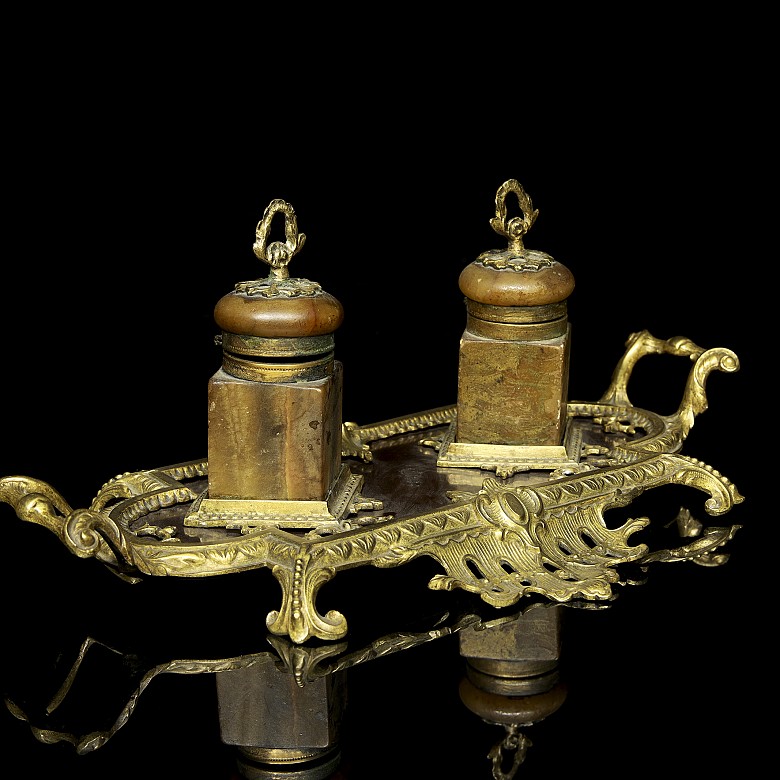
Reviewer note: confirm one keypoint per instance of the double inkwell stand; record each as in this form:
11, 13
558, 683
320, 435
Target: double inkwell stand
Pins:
504, 491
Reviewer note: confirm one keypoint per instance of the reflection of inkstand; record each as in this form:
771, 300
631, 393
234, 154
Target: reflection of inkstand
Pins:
286, 678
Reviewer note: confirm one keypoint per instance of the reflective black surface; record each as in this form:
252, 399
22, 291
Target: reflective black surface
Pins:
658, 668
665, 673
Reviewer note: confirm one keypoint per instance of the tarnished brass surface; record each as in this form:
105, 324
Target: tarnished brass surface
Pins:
515, 315
512, 331
536, 532
256, 371
261, 346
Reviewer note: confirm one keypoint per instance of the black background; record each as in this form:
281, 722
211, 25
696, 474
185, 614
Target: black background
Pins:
131, 206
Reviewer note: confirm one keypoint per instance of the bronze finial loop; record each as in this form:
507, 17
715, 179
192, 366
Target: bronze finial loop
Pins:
278, 253
517, 227
515, 257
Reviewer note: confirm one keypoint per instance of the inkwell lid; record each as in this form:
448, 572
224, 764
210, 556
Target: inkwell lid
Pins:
278, 306
515, 276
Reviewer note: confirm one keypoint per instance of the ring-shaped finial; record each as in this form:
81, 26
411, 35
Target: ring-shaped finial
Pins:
517, 227
278, 253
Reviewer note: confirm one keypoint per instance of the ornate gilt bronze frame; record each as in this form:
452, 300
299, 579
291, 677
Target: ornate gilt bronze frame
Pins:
505, 521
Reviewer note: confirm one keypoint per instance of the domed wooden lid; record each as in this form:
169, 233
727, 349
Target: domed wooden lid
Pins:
246, 313
278, 306
515, 276
532, 282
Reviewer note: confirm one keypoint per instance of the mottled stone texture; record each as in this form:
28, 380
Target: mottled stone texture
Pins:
512, 392
274, 441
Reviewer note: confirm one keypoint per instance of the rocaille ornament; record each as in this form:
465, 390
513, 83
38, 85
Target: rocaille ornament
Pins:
517, 477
